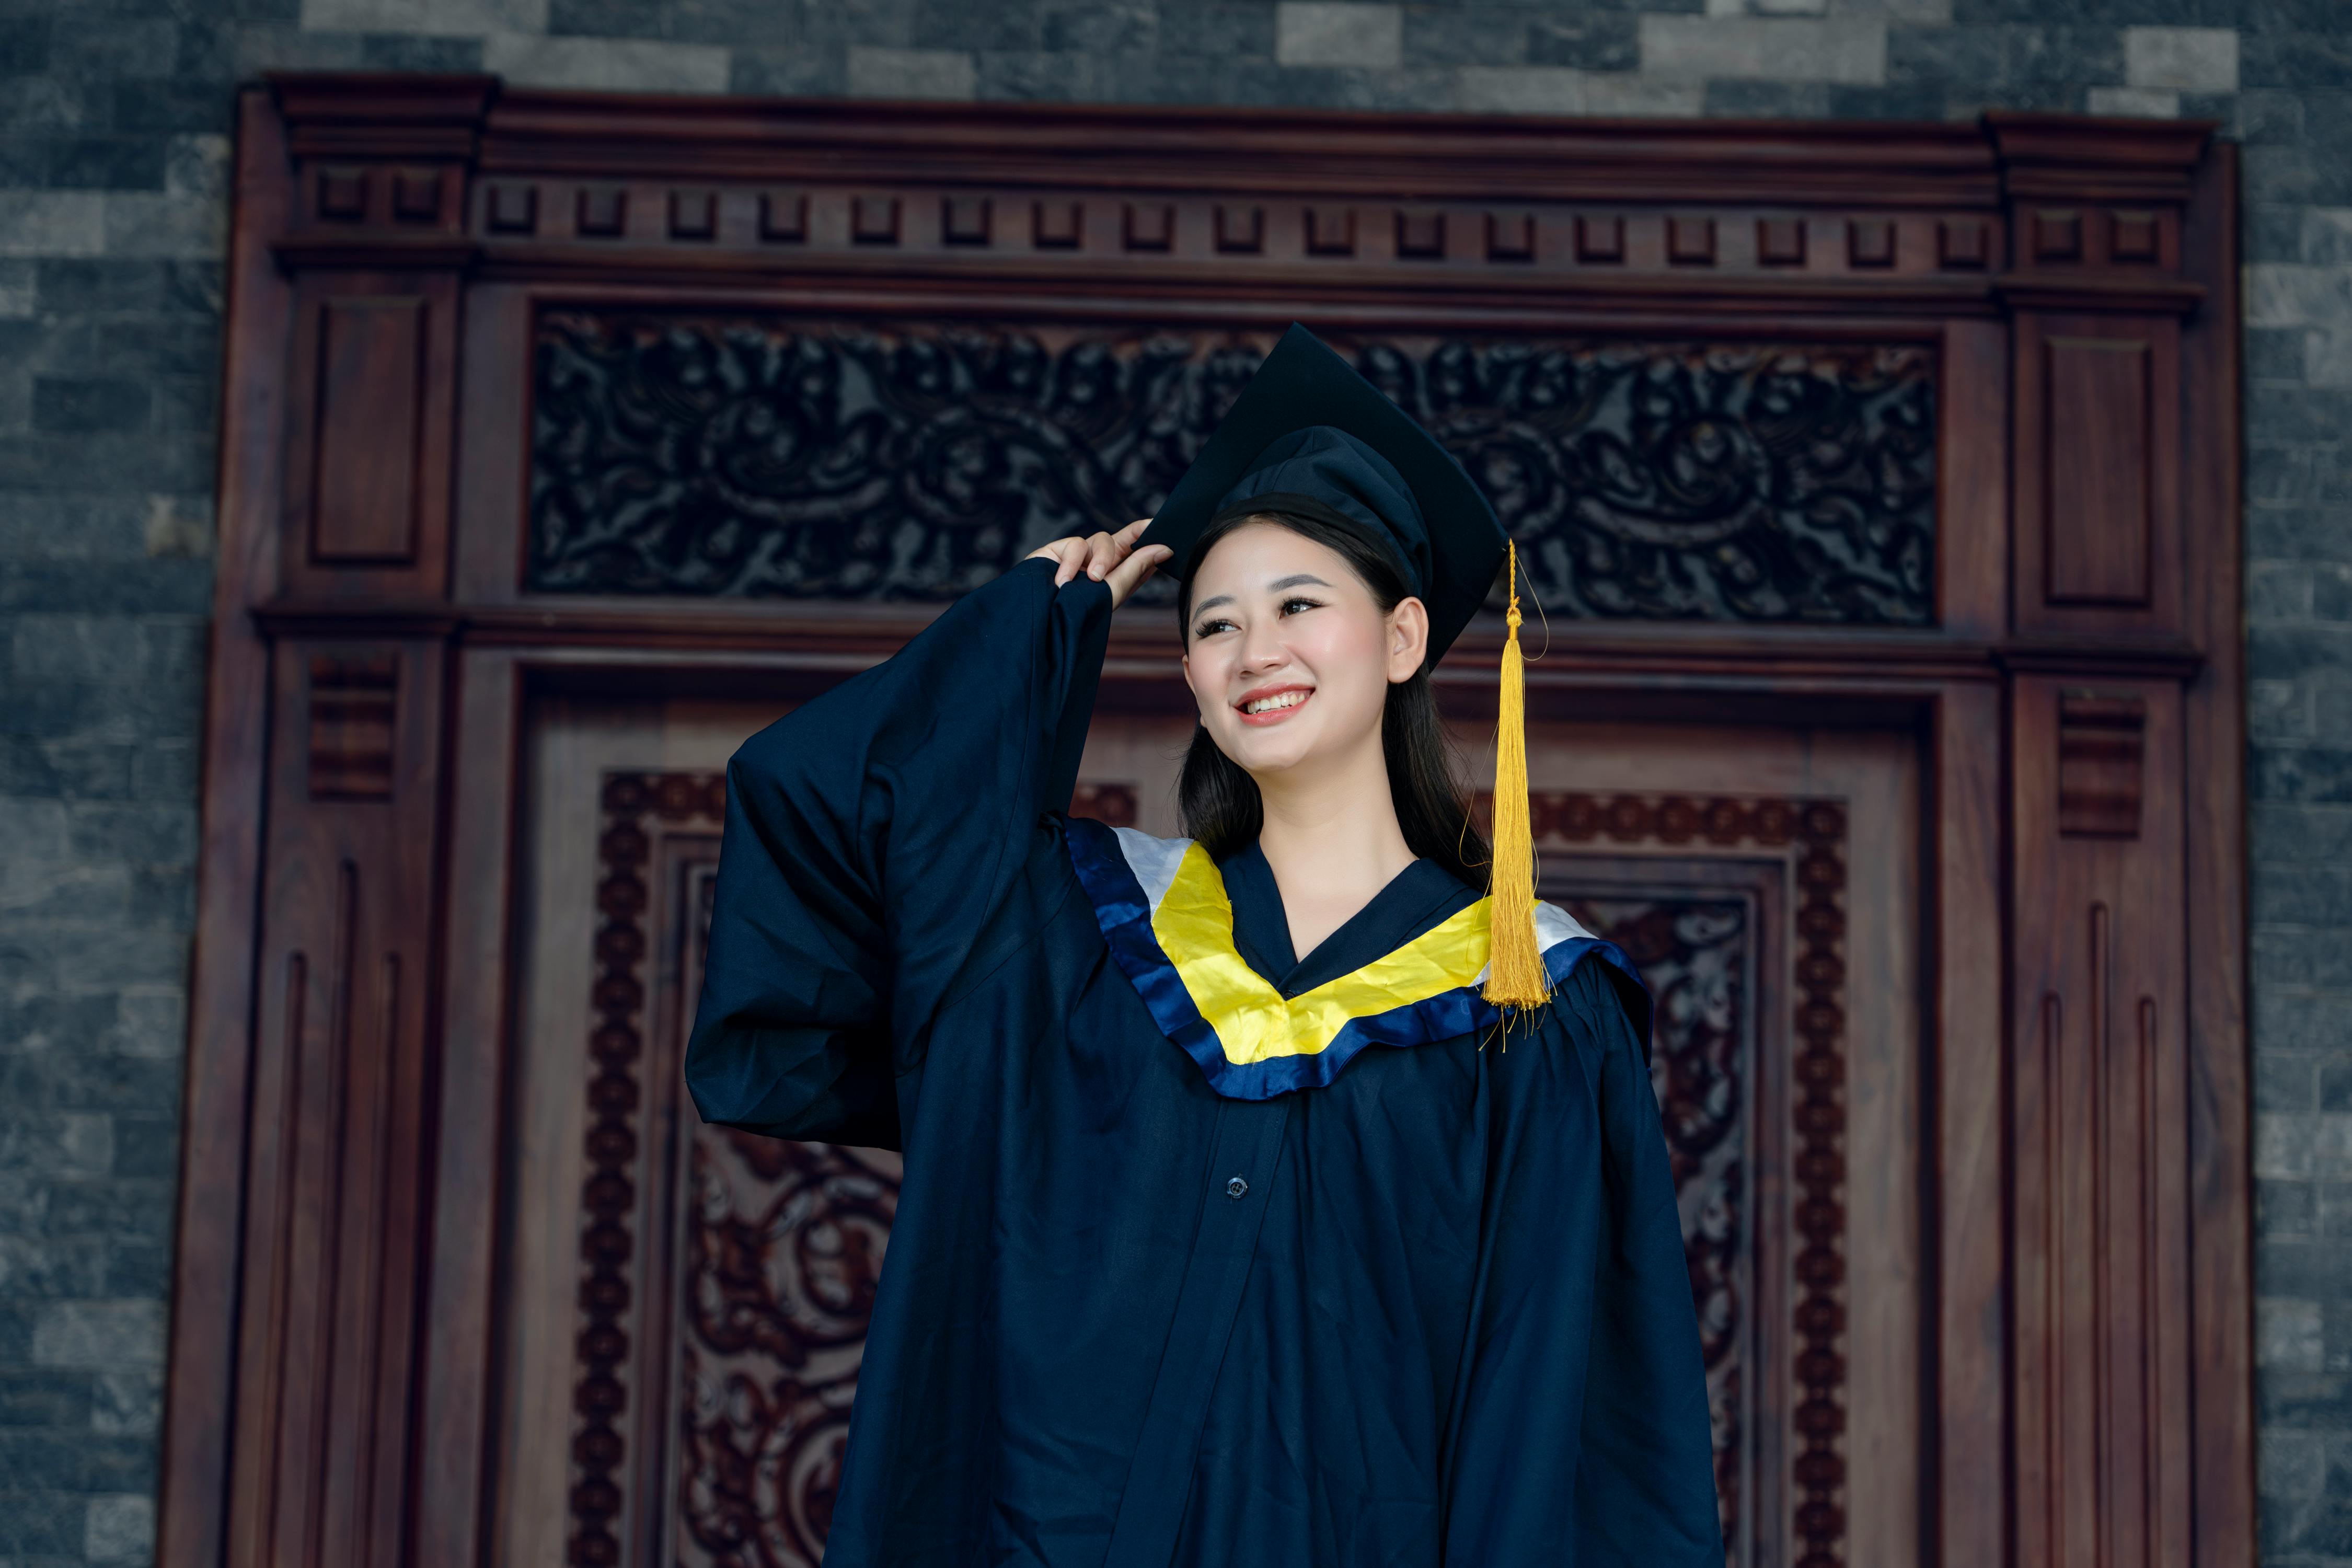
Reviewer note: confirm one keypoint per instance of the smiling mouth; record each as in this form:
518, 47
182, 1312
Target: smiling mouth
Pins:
1271, 707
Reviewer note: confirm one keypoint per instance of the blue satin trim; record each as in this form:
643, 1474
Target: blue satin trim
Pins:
1125, 918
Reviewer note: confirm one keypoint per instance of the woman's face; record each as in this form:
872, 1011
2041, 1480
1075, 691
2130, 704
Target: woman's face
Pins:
1286, 651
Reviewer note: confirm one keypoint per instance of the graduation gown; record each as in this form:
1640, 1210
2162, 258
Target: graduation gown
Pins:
1207, 1254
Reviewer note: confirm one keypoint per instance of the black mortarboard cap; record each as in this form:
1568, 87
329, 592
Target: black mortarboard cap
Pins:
1309, 434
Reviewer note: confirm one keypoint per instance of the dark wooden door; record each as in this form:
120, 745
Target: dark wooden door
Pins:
688, 1303
1916, 438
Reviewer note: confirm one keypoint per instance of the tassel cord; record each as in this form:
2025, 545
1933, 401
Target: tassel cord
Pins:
1515, 969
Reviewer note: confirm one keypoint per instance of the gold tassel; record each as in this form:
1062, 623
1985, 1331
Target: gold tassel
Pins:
1514, 970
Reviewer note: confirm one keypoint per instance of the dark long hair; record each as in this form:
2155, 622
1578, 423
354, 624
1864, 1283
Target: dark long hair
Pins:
1219, 801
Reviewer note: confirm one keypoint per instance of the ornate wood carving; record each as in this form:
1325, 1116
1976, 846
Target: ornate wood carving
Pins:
730, 1430
825, 459
1813, 833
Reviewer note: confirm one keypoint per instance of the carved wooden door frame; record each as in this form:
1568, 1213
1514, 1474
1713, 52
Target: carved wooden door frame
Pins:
2077, 696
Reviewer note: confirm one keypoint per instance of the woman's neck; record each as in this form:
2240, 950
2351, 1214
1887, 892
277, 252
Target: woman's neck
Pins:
1332, 841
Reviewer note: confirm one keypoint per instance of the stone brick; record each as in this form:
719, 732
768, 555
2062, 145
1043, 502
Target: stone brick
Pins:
460, 16
2304, 774
910, 73
2283, 294
1100, 29
2312, 1270
140, 223
634, 65
2305, 892
2283, 1145
24, 44
1599, 41
1219, 31
1768, 100
119, 1528
800, 71
2335, 1084
101, 1335
2286, 1334
128, 1403
2293, 1464
121, 46
55, 1143
1555, 89
1338, 33
2134, 102
2294, 832
51, 1523
1477, 37
2293, 58
394, 53
39, 1398
2278, 710
957, 25
2283, 1081
146, 1149
2335, 1209
1786, 49
2191, 59
105, 164
2285, 1208
51, 223
79, 405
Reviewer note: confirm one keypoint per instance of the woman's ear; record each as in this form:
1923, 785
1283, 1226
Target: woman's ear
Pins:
1408, 640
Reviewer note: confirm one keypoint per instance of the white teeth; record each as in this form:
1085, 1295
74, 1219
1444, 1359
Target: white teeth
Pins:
1279, 700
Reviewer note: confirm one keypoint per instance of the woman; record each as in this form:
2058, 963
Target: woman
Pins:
1239, 1227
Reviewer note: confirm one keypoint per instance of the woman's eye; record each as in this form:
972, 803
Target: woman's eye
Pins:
1205, 628
1292, 606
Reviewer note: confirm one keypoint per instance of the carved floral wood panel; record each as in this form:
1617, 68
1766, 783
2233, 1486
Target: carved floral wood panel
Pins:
779, 1247
830, 459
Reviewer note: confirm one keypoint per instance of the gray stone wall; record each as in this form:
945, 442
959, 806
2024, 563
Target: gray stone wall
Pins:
114, 117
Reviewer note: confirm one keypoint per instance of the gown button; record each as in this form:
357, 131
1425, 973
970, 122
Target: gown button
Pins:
1236, 1187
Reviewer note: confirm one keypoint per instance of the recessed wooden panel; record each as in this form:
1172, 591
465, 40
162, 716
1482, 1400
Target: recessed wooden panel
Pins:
1241, 227
966, 220
1781, 241
1330, 231
1057, 225
1510, 236
693, 214
2099, 454
1600, 239
1690, 241
354, 714
1421, 235
1962, 244
364, 478
783, 216
1870, 242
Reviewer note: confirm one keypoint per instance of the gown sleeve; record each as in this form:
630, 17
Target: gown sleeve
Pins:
869, 835
1582, 1416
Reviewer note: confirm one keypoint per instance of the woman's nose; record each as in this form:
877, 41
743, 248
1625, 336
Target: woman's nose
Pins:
1262, 649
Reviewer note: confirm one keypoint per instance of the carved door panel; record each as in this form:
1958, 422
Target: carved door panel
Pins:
686, 1306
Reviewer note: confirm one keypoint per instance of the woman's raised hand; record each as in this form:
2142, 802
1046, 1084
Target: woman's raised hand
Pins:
1108, 558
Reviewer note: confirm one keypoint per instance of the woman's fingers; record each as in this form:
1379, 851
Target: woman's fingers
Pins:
1132, 572
1103, 553
1097, 555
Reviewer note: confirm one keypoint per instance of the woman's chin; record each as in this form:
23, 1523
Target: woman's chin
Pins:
1270, 752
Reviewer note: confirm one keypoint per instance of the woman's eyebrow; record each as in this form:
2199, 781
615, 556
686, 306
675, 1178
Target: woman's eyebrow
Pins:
1213, 603
1297, 579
